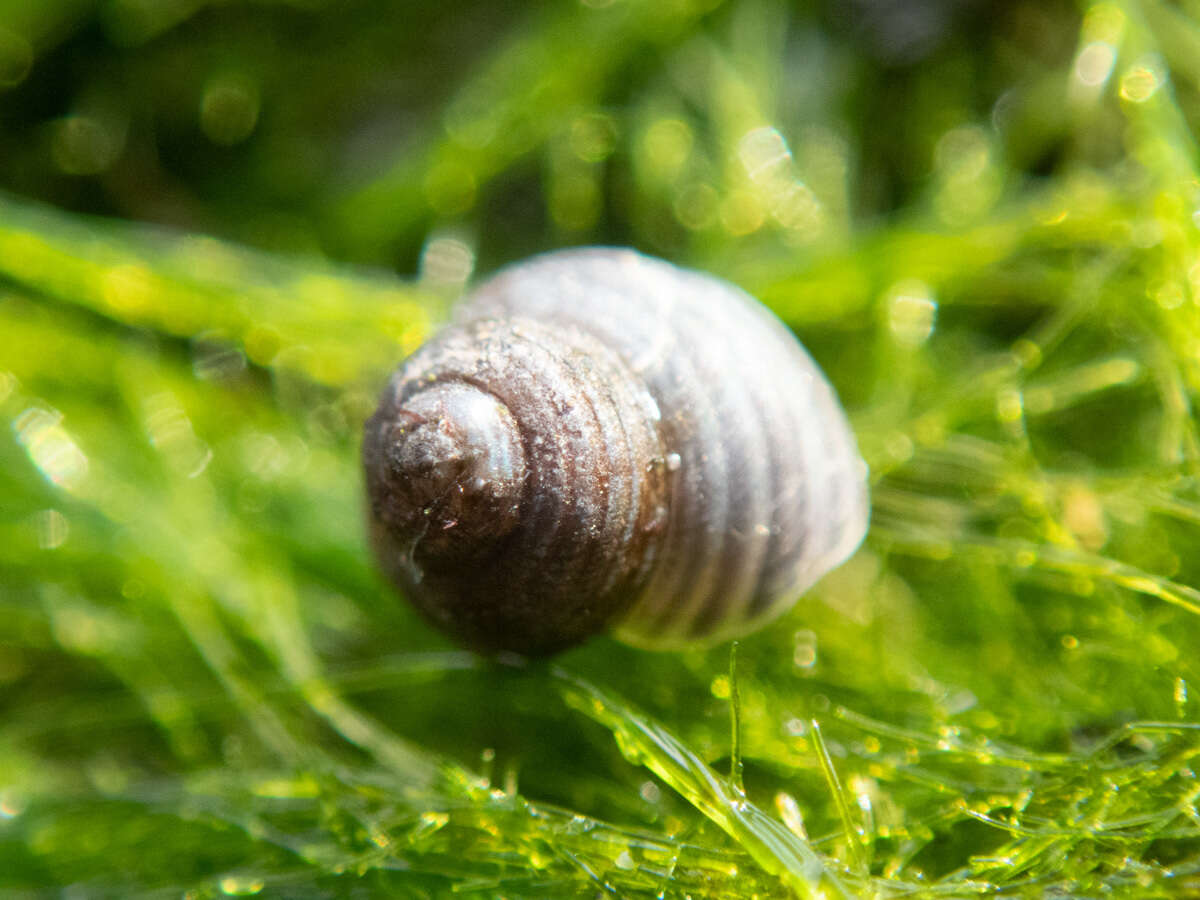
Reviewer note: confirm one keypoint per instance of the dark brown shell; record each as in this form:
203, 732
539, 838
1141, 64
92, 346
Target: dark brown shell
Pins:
604, 439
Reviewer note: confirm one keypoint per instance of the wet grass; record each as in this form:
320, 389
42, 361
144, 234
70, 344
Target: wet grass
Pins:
205, 687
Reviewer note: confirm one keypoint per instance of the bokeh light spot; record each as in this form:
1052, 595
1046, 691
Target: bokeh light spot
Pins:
85, 144
664, 149
50, 447
769, 164
1094, 63
53, 529
593, 137
804, 649
970, 181
911, 312
1142, 80
742, 213
1104, 22
696, 206
16, 58
229, 109
446, 262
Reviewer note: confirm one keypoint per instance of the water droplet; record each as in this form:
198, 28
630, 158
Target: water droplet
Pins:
789, 811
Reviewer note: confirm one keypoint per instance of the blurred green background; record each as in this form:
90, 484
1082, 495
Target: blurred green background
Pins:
222, 223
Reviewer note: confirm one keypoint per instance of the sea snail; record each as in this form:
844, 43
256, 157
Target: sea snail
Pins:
602, 439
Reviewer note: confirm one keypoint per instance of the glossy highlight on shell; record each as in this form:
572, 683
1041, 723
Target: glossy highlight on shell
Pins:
604, 440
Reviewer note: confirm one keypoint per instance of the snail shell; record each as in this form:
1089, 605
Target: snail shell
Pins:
605, 440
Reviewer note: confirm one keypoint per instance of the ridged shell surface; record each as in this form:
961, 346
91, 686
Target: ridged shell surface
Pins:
687, 471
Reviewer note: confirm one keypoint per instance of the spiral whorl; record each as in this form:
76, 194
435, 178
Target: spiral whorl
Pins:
604, 438
451, 456
560, 554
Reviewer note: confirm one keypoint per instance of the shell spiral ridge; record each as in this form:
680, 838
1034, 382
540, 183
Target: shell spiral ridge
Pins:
536, 586
685, 470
